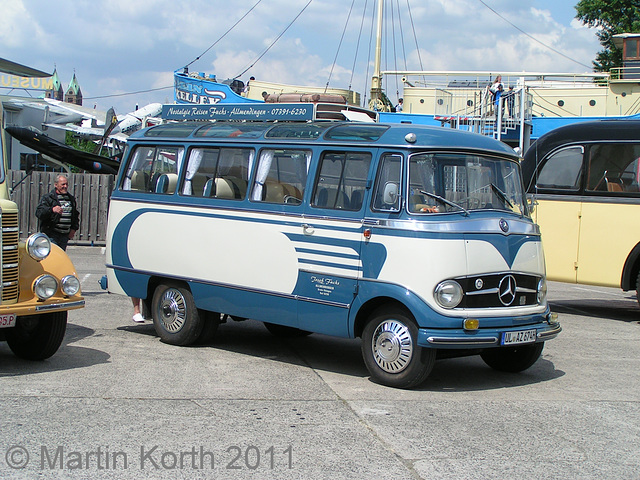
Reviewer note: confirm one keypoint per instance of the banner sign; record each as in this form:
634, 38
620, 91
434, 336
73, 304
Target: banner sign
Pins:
243, 111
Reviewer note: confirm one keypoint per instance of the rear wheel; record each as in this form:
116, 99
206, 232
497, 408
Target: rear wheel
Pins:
175, 317
390, 350
512, 359
638, 288
36, 337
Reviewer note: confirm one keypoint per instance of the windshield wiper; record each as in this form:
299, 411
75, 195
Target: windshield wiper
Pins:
502, 195
444, 200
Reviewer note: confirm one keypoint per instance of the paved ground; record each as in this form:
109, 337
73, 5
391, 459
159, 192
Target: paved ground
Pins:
115, 402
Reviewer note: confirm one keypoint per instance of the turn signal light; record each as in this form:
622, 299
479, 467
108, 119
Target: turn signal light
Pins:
471, 324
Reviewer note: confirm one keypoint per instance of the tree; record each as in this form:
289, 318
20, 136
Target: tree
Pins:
610, 17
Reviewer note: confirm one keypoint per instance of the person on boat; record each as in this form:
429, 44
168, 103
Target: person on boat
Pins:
499, 92
399, 105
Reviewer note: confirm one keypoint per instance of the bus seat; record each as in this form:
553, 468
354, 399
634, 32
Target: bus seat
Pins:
209, 190
139, 181
273, 192
613, 185
167, 183
224, 189
197, 184
356, 200
332, 198
292, 194
239, 186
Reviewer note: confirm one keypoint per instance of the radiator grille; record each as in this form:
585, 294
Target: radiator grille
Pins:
10, 275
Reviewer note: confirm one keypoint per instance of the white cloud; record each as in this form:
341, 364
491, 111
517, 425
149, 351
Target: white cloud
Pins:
120, 46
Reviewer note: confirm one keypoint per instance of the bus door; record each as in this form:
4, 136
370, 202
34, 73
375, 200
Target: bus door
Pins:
608, 230
557, 210
385, 207
330, 241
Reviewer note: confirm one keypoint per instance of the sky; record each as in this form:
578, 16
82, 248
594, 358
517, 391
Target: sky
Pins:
124, 52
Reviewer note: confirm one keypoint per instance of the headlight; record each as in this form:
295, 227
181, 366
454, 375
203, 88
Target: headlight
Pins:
70, 285
45, 287
448, 294
38, 246
542, 290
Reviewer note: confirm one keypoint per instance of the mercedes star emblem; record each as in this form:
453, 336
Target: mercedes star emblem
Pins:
507, 290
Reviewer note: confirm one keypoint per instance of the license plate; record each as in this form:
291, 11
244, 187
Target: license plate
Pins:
8, 320
515, 338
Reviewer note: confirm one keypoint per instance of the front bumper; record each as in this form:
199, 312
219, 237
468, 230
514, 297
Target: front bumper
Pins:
35, 306
482, 338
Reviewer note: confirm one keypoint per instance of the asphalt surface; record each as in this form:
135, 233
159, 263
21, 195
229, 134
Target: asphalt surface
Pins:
116, 403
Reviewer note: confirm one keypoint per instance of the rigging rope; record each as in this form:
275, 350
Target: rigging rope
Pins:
366, 77
223, 35
273, 43
355, 57
335, 59
533, 38
415, 37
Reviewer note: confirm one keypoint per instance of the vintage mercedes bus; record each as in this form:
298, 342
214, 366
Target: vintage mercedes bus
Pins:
416, 239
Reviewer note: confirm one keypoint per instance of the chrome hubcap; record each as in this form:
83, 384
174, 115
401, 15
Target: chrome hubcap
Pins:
172, 310
392, 346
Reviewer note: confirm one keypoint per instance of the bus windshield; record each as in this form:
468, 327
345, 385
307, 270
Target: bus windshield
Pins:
459, 182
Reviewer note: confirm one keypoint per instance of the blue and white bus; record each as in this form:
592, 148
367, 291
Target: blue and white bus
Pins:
416, 239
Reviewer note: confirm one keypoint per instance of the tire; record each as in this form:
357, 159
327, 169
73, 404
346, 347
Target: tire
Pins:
211, 322
512, 359
36, 337
391, 352
175, 316
283, 331
638, 288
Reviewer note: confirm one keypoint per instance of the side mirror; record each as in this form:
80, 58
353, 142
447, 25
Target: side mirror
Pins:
390, 193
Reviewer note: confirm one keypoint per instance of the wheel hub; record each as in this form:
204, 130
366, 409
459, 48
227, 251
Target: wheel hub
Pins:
392, 346
172, 310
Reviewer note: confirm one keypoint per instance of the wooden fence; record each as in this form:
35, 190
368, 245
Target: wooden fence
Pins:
92, 192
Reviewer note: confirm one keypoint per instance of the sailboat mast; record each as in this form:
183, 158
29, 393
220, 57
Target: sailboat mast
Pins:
376, 81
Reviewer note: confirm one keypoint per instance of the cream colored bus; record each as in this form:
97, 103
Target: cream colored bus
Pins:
584, 181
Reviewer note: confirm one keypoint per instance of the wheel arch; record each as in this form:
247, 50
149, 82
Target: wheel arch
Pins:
366, 310
631, 269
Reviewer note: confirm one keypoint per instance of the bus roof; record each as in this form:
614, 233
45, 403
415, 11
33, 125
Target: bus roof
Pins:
327, 132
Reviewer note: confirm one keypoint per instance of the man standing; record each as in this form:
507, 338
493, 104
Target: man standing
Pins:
58, 215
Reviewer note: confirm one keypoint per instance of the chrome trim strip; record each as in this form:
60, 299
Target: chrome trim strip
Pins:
59, 306
461, 341
550, 333
517, 226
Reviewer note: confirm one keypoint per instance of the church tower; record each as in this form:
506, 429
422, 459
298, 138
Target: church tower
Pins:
74, 94
57, 92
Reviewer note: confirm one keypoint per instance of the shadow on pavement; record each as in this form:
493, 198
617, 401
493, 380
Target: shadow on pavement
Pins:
343, 356
622, 310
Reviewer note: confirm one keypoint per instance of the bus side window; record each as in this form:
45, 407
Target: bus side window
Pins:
281, 176
341, 180
387, 192
613, 168
562, 170
153, 169
217, 172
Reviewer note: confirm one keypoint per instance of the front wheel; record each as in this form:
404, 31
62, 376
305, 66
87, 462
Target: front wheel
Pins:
390, 350
512, 359
175, 316
36, 337
638, 288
